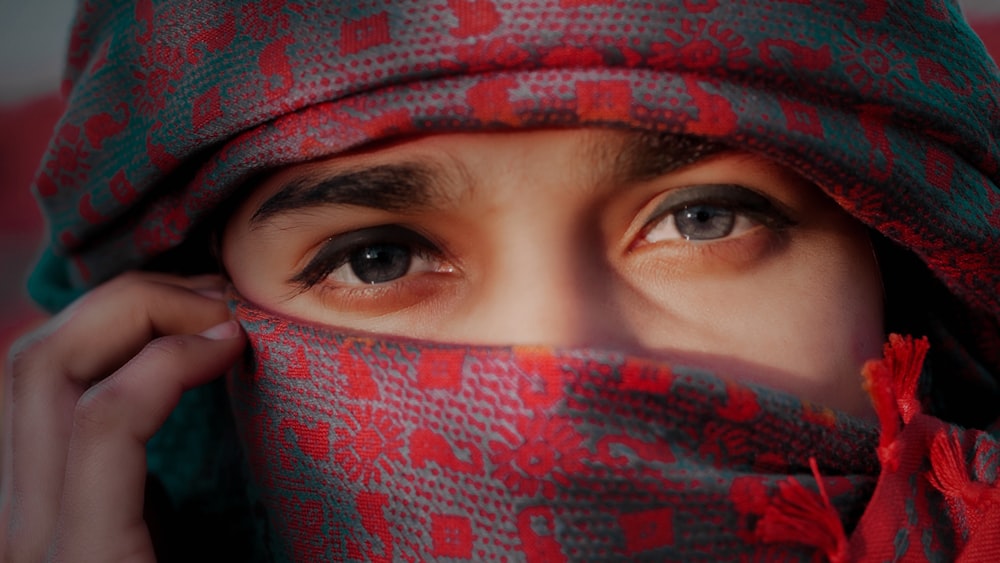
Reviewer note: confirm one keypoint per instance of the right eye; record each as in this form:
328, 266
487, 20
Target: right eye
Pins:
376, 255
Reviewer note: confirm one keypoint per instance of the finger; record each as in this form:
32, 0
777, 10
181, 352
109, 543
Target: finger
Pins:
102, 502
121, 316
49, 370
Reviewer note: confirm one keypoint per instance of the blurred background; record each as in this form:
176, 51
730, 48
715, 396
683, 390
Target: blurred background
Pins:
33, 35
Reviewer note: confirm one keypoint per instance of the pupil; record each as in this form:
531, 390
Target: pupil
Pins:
381, 263
704, 222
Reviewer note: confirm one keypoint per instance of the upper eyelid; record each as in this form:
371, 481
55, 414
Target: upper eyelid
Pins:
735, 195
329, 256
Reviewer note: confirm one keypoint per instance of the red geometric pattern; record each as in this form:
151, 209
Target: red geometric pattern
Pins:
491, 454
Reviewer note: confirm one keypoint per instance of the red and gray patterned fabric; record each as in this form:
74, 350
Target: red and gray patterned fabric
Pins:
891, 107
386, 449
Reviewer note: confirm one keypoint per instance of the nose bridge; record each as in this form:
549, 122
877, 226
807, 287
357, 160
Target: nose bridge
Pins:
550, 284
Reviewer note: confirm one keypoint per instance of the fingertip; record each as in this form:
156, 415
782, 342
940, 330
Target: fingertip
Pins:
222, 331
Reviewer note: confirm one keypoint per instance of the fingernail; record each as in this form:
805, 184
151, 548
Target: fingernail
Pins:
222, 331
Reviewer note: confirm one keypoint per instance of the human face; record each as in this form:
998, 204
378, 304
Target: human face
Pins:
599, 238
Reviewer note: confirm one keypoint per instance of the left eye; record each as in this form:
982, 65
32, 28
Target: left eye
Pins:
711, 212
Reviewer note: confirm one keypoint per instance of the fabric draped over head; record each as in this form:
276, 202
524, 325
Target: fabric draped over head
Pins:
174, 106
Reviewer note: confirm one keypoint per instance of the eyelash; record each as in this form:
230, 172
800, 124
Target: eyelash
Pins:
739, 200
337, 251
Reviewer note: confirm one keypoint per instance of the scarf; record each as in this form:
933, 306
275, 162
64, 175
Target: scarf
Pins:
174, 107
385, 449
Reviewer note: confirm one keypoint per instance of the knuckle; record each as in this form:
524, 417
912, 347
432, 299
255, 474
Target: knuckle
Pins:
95, 410
26, 354
165, 350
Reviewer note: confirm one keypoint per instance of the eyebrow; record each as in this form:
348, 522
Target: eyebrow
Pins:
647, 155
391, 187
416, 186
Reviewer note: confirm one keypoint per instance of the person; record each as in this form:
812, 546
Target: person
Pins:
464, 279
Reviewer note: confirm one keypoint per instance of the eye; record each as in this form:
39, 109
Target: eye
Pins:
372, 256
712, 212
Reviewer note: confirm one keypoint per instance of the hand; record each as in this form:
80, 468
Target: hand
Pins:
83, 395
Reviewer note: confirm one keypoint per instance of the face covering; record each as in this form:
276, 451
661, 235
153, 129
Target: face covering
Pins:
385, 449
381, 449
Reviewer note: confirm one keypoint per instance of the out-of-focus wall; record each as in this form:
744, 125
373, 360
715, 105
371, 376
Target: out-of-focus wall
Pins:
33, 35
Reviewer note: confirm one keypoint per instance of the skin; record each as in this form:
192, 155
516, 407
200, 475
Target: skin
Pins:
795, 306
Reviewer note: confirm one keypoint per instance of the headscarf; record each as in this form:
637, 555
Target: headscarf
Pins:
174, 107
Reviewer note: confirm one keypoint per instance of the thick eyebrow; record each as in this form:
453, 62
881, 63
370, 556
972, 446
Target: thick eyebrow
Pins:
391, 187
648, 155
413, 186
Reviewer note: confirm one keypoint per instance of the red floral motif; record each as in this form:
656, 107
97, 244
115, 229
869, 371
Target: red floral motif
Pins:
67, 159
876, 64
160, 67
701, 45
550, 451
369, 442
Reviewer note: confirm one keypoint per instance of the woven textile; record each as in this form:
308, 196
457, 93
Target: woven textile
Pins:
386, 449
174, 107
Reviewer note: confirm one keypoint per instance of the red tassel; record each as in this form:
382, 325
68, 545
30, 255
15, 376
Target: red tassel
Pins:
906, 359
892, 383
799, 515
949, 474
